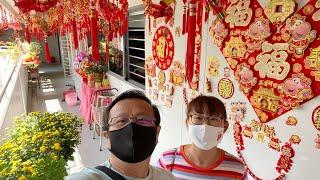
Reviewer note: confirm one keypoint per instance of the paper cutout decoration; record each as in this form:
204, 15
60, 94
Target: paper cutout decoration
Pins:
213, 69
295, 139
225, 88
245, 77
237, 134
285, 161
278, 11
218, 32
163, 48
155, 95
292, 121
150, 67
247, 132
317, 141
316, 118
208, 85
162, 80
274, 143
226, 72
276, 59
177, 73
238, 111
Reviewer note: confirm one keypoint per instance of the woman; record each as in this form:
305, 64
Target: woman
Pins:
206, 123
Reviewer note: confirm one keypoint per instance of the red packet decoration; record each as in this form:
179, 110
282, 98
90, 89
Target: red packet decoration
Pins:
213, 69
274, 54
177, 74
245, 77
291, 121
317, 141
163, 48
150, 67
316, 118
238, 111
285, 161
225, 88
218, 32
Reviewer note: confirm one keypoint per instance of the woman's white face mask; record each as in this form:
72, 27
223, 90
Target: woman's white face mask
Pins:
205, 137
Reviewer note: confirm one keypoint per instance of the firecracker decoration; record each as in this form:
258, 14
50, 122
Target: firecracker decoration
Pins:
312, 62
208, 85
285, 161
213, 69
185, 98
278, 11
317, 141
163, 48
161, 80
238, 111
291, 121
150, 67
295, 139
177, 74
245, 77
225, 88
276, 53
218, 32
237, 129
316, 118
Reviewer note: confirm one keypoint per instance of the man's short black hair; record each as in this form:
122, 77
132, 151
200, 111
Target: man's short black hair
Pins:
130, 94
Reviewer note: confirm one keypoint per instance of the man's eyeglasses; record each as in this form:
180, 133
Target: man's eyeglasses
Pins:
122, 121
199, 119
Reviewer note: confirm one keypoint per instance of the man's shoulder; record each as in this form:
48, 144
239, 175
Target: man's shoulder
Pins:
88, 173
160, 173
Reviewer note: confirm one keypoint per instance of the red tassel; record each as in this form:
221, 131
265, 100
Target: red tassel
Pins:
47, 50
184, 20
192, 20
27, 33
75, 34
94, 37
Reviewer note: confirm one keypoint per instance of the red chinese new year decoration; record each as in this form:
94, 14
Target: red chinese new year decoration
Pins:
164, 9
27, 33
47, 51
94, 36
316, 118
75, 34
163, 48
36, 5
275, 64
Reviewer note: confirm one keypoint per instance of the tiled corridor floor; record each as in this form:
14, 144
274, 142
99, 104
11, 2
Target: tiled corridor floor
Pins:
49, 98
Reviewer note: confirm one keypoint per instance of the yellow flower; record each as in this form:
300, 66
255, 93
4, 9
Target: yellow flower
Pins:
31, 169
54, 157
21, 178
57, 146
43, 149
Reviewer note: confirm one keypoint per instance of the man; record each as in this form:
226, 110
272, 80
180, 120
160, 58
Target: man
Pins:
131, 126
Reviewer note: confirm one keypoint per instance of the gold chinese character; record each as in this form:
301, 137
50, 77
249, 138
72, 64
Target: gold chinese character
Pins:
239, 13
272, 61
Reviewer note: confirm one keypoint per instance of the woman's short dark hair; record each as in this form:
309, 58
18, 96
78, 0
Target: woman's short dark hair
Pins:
207, 105
130, 94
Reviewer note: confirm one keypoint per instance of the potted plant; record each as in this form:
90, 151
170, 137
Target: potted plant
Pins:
90, 76
39, 146
98, 71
